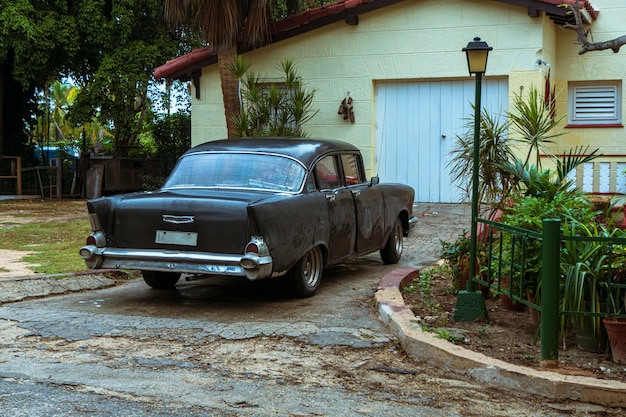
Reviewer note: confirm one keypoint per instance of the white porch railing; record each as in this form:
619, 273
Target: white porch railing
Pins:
604, 175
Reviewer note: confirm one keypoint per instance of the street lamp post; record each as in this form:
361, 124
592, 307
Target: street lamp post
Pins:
470, 304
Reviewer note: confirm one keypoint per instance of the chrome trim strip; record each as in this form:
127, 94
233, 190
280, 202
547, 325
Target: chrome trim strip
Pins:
171, 218
184, 262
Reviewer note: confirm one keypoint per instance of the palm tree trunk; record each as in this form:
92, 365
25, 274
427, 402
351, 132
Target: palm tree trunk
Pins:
230, 84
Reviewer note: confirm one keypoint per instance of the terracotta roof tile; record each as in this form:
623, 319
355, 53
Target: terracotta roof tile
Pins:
584, 4
178, 64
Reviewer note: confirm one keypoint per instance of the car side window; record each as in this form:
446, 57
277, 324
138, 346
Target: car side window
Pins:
352, 173
326, 173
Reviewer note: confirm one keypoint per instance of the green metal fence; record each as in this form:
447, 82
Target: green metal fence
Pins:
568, 277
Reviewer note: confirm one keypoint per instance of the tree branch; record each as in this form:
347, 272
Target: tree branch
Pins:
585, 44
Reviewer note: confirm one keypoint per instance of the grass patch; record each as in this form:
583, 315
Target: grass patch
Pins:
422, 287
54, 245
449, 336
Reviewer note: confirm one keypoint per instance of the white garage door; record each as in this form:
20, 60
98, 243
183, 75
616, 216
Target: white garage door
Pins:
416, 128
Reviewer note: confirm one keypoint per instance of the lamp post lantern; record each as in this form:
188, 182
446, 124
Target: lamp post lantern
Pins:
470, 305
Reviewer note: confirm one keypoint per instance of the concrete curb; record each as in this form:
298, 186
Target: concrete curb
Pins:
34, 286
424, 346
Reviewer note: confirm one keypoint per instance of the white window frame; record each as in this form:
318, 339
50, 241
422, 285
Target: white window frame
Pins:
595, 103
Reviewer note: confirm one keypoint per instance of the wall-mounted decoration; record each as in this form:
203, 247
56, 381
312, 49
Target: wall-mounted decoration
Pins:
346, 109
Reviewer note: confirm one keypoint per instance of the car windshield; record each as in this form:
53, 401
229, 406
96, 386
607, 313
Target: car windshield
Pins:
237, 170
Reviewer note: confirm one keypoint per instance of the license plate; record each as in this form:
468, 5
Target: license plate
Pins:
176, 238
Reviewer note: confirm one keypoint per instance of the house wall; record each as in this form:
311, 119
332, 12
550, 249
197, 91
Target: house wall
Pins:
596, 65
418, 40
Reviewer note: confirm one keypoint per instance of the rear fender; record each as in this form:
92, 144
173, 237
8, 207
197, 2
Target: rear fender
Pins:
291, 226
398, 204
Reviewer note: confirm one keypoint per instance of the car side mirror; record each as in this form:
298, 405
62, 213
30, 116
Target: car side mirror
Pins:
375, 180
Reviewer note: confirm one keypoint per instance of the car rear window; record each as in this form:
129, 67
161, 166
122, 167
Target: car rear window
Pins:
237, 170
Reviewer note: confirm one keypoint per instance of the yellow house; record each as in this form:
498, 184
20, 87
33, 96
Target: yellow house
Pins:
401, 63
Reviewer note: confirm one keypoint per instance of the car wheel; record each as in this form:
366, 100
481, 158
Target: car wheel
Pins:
392, 252
161, 280
306, 275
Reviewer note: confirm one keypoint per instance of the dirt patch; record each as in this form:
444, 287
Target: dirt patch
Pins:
18, 212
25, 211
11, 264
504, 334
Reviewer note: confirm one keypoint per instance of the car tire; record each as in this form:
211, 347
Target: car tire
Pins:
392, 252
161, 280
306, 274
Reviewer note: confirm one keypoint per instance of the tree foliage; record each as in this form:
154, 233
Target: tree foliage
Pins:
36, 38
132, 41
109, 48
226, 26
172, 136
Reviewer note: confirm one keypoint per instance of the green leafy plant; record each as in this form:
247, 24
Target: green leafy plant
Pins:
528, 212
273, 108
422, 285
172, 137
483, 333
589, 268
494, 149
532, 180
453, 254
449, 336
534, 121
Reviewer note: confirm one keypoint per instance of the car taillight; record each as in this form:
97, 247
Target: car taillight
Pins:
91, 240
252, 248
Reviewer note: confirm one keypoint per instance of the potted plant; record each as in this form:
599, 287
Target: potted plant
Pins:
587, 290
616, 301
455, 254
541, 194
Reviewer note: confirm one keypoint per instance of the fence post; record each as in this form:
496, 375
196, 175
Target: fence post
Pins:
550, 265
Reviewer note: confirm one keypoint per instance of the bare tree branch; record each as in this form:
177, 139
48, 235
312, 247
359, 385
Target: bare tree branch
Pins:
585, 44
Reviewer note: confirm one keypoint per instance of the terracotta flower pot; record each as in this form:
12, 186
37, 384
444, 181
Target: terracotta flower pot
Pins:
616, 329
511, 304
535, 315
506, 301
591, 335
464, 275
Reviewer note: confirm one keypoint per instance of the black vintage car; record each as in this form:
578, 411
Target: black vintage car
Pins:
259, 208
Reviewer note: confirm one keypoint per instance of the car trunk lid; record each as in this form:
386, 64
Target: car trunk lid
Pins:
192, 221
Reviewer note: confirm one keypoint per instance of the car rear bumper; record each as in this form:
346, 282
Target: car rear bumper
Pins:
253, 266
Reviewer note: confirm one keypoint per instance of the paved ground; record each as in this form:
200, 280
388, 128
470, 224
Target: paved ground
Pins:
437, 222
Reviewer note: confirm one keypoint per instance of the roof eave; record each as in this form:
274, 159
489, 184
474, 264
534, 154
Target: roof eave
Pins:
554, 9
189, 65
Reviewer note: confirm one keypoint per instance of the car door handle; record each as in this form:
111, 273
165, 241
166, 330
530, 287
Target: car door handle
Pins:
356, 193
330, 197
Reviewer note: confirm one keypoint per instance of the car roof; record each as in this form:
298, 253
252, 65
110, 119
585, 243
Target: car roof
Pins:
305, 150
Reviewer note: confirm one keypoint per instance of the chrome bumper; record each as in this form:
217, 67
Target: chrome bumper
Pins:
412, 224
256, 267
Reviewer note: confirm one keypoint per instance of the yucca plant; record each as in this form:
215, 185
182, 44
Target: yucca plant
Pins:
275, 108
494, 149
534, 122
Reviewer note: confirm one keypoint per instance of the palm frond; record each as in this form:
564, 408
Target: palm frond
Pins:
574, 158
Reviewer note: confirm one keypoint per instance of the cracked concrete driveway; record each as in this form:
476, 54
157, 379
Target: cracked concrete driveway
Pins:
228, 347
